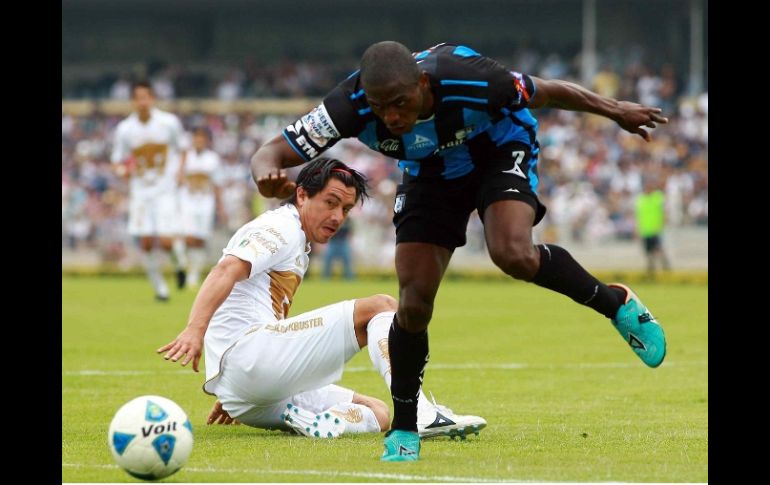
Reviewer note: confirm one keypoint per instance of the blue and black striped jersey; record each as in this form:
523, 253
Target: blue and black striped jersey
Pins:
478, 103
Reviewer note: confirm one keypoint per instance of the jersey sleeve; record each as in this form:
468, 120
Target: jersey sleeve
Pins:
264, 246
332, 120
510, 90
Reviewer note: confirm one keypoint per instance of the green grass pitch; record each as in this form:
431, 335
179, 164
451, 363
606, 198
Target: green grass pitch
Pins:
565, 398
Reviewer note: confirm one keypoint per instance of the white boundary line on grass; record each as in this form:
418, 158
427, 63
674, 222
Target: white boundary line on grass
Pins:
431, 367
319, 473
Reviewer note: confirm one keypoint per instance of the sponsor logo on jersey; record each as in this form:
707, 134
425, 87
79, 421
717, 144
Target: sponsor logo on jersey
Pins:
389, 145
460, 136
421, 142
296, 326
297, 133
319, 126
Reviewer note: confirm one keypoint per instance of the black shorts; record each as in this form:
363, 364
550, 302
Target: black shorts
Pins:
651, 243
436, 211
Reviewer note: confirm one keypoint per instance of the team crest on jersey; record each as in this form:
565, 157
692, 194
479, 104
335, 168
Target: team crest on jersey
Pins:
399, 203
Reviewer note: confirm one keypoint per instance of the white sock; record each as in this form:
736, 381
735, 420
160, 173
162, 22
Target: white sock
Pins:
197, 260
377, 343
179, 251
358, 418
151, 260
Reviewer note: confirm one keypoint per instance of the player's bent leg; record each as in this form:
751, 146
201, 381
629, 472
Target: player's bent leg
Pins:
378, 408
508, 233
365, 309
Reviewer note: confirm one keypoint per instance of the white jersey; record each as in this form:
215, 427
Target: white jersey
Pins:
154, 146
201, 172
275, 245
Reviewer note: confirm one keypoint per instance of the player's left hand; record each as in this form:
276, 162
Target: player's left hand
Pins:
217, 413
633, 116
188, 344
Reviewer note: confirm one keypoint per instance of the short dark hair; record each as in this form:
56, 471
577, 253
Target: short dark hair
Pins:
315, 175
143, 83
388, 61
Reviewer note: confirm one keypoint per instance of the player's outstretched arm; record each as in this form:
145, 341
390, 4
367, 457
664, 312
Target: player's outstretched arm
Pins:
267, 166
215, 289
632, 117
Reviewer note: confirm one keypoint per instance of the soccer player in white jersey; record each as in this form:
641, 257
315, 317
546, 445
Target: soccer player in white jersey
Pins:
199, 198
272, 371
147, 149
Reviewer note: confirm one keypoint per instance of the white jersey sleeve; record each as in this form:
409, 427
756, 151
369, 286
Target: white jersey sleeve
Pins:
264, 243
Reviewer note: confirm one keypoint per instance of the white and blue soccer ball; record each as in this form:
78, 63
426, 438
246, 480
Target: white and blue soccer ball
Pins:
150, 437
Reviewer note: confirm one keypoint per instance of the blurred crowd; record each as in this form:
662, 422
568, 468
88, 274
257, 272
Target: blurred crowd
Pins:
627, 73
590, 171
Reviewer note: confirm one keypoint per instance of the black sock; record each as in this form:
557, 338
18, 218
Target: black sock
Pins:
561, 273
408, 357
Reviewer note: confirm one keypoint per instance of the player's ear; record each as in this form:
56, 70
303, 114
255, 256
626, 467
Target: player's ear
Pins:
302, 196
424, 81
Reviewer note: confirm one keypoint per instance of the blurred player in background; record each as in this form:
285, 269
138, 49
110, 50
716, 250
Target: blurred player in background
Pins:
271, 371
460, 125
146, 149
650, 213
199, 201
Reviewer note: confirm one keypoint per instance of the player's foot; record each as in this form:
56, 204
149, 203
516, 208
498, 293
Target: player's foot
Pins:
181, 277
401, 445
437, 420
314, 425
161, 297
639, 329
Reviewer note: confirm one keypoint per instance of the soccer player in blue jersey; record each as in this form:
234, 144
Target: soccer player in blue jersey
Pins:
460, 125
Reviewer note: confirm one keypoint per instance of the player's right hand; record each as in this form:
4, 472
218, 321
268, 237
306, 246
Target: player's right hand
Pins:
189, 344
276, 185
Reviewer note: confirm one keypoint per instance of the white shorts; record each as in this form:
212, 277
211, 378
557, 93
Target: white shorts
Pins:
154, 216
292, 359
197, 215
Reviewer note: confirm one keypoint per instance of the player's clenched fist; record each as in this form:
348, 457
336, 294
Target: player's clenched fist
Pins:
275, 185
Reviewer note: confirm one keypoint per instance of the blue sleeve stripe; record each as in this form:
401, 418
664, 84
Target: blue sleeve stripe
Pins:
357, 94
291, 144
465, 98
364, 111
456, 82
464, 51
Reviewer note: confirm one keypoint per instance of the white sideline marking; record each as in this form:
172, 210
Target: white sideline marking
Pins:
386, 476
431, 367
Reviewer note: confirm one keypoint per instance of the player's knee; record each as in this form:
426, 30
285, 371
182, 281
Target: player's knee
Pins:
414, 314
385, 303
367, 308
517, 259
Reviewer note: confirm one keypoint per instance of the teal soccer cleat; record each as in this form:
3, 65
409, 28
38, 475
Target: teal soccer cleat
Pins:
639, 329
401, 445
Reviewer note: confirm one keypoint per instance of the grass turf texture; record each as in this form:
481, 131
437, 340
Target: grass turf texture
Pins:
565, 398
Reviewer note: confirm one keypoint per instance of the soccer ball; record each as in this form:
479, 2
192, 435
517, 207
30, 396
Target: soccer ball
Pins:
150, 437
